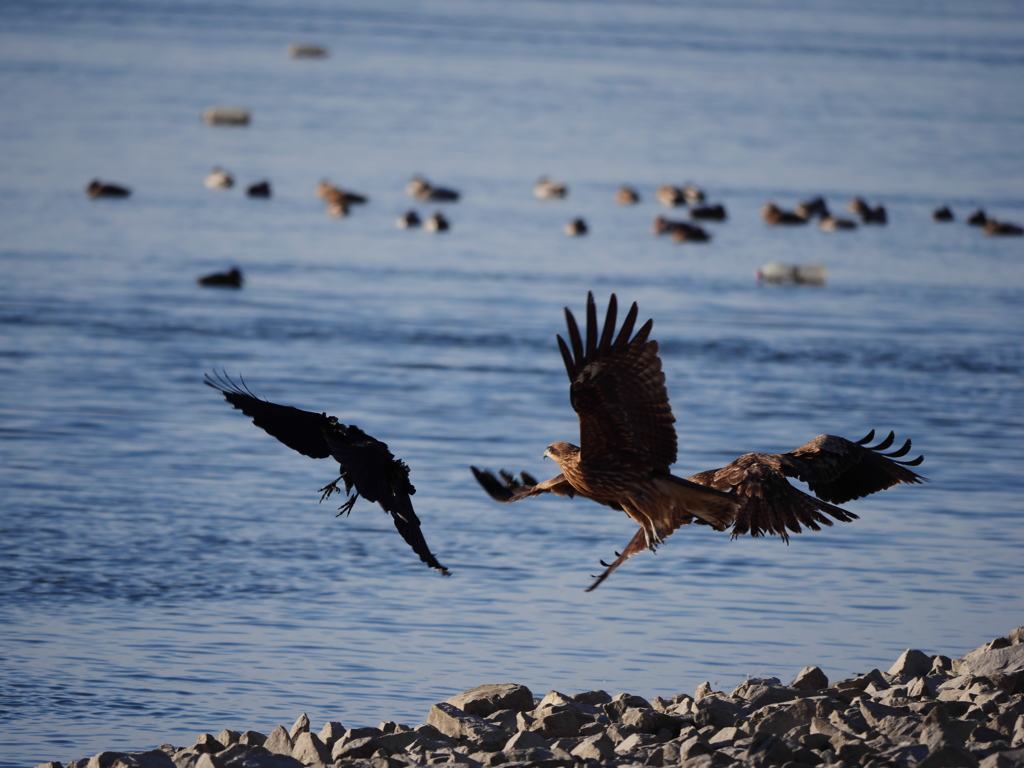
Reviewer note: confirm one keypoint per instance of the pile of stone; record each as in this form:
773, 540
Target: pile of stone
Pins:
925, 712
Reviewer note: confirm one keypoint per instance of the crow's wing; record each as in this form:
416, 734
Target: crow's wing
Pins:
299, 430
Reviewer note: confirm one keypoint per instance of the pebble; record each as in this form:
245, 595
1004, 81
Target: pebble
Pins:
925, 712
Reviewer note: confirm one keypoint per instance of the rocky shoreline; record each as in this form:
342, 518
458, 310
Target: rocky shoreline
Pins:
924, 712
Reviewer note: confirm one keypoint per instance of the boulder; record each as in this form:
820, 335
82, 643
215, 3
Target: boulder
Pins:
487, 699
311, 751
331, 732
1003, 666
597, 747
912, 663
456, 724
279, 742
301, 726
810, 679
556, 724
526, 740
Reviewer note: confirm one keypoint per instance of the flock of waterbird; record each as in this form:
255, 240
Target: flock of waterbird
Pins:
339, 202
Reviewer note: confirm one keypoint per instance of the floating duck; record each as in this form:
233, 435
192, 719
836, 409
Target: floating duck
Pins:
549, 189
408, 220
575, 228
259, 189
708, 212
230, 279
330, 193
627, 196
692, 194
436, 223
99, 188
679, 231
337, 208
669, 196
816, 206
307, 51
942, 214
774, 216
218, 178
776, 273
1001, 228
977, 219
830, 223
868, 215
425, 192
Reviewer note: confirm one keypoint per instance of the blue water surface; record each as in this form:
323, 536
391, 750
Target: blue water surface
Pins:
165, 568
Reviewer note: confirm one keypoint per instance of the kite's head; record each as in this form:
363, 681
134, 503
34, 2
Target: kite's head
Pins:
562, 452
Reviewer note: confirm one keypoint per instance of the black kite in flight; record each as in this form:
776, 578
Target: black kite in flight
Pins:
366, 464
628, 444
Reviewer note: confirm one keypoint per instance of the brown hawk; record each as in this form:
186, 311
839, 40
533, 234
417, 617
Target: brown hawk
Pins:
628, 443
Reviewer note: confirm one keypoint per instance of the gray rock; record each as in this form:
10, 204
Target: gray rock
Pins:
664, 755
718, 711
487, 699
455, 723
526, 740
912, 663
154, 758
558, 724
227, 738
207, 743
354, 749
650, 720
279, 742
769, 749
1003, 666
859, 683
252, 737
635, 743
189, 758
598, 747
593, 698
331, 732
506, 719
726, 736
779, 719
105, 759
311, 751
810, 679
704, 689
1011, 758
301, 726
260, 758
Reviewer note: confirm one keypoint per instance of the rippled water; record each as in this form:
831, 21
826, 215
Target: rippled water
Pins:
165, 568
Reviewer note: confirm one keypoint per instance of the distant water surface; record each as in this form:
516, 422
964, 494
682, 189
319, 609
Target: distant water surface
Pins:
165, 569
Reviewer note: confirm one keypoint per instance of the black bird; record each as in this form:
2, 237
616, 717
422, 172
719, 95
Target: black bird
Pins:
230, 279
365, 463
99, 188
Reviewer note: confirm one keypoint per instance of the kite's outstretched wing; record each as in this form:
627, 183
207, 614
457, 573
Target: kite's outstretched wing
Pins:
617, 389
835, 469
